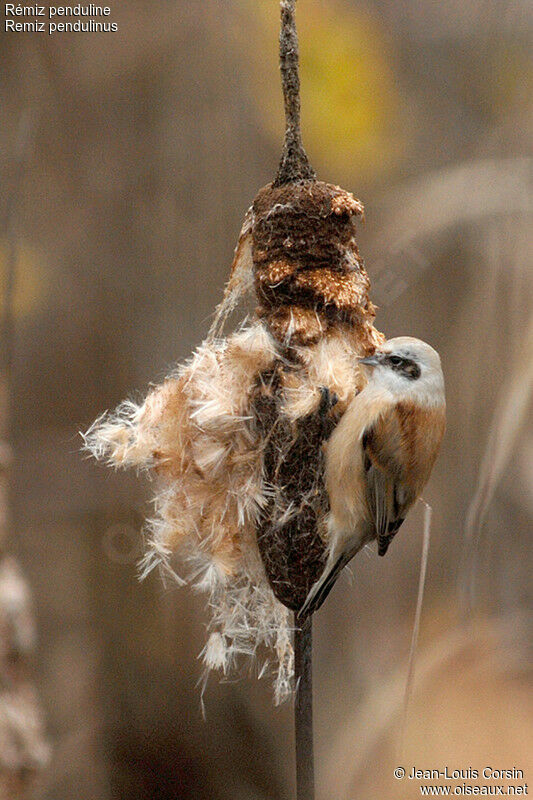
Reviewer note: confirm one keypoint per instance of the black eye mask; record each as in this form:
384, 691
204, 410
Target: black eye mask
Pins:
405, 366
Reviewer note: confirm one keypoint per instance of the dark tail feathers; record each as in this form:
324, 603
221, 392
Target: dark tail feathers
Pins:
323, 586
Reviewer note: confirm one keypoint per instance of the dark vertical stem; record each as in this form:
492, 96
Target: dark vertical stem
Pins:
294, 164
303, 709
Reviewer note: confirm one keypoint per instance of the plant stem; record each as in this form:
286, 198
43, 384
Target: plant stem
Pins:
294, 164
303, 709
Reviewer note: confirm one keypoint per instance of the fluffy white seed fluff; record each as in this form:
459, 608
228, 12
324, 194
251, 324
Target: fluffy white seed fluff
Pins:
193, 434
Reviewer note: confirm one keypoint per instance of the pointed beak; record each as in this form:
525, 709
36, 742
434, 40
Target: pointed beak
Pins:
370, 361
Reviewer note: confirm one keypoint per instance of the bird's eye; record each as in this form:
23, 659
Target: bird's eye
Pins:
396, 360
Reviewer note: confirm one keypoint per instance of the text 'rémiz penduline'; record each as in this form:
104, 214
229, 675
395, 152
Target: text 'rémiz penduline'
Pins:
82, 14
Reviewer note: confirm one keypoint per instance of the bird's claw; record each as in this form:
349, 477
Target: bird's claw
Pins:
328, 400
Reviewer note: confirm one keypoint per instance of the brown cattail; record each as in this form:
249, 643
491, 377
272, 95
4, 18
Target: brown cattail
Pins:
235, 437
312, 291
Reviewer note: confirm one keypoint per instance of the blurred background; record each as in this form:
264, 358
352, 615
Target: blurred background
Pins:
127, 163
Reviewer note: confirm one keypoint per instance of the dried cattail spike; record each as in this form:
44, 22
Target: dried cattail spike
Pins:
294, 164
290, 532
309, 275
312, 289
235, 437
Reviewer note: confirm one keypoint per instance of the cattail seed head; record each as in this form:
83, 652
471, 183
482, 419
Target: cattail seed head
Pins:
235, 437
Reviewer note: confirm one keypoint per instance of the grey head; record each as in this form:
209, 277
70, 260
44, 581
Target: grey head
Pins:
408, 368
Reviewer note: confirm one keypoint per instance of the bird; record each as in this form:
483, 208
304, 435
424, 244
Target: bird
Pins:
380, 455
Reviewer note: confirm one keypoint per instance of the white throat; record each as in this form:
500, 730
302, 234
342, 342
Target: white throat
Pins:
427, 390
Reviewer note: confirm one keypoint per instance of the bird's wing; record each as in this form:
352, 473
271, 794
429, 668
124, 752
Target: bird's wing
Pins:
399, 449
387, 501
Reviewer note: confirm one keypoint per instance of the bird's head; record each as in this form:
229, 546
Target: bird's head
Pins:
409, 369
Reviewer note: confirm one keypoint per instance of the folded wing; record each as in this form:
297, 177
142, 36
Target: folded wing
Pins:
398, 451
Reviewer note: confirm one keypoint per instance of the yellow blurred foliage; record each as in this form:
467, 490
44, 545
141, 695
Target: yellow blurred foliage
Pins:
352, 117
30, 285
512, 78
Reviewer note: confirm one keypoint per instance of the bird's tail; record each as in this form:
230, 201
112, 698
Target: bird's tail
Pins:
324, 584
